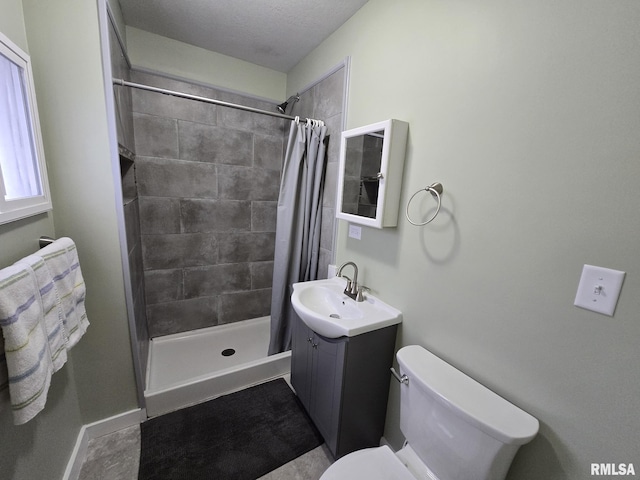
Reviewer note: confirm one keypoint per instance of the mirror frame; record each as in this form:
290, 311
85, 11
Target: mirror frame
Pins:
391, 167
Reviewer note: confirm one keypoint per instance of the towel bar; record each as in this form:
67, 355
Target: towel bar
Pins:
44, 241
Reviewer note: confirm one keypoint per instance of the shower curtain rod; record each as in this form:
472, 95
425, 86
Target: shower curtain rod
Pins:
125, 83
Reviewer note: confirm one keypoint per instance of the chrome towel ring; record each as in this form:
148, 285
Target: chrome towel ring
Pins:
436, 191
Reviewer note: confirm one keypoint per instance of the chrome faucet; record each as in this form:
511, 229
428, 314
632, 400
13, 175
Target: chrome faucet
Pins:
352, 290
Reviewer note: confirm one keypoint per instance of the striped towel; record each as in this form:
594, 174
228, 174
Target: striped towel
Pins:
28, 369
61, 258
42, 315
52, 311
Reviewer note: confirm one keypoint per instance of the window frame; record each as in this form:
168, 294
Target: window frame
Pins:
19, 208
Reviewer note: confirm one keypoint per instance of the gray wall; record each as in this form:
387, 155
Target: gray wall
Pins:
208, 179
324, 101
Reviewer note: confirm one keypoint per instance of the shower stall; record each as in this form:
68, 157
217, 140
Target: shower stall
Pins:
200, 186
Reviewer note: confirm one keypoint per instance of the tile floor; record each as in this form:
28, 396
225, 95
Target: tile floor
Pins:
117, 456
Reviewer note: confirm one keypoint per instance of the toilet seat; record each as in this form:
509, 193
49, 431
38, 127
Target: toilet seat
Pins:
379, 463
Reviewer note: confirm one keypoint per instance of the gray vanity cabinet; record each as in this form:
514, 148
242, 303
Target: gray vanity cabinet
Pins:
343, 384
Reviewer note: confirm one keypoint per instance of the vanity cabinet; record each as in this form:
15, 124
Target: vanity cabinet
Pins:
343, 383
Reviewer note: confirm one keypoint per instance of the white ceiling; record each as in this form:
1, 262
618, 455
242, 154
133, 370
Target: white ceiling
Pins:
273, 33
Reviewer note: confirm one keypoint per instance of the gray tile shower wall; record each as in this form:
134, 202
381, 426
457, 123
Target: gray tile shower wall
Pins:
208, 180
324, 101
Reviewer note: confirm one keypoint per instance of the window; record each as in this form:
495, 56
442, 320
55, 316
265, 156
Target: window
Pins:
23, 178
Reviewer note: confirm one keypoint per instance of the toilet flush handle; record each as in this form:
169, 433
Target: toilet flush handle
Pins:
402, 379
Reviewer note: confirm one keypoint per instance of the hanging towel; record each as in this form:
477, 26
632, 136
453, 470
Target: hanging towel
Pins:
61, 258
52, 311
42, 315
28, 369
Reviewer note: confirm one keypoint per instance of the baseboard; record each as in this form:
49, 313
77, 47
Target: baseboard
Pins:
95, 430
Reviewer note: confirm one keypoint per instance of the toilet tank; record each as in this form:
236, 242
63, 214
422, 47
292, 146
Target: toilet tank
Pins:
460, 429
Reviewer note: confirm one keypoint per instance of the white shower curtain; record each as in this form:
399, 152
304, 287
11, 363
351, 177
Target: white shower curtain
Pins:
297, 244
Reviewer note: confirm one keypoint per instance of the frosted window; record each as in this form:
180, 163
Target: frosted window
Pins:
23, 185
17, 154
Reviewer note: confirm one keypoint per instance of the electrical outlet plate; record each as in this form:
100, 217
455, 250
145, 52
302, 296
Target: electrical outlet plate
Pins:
331, 270
599, 289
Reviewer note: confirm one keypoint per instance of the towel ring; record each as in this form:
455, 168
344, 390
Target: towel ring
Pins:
436, 191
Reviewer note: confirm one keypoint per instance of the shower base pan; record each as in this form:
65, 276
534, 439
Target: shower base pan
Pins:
192, 367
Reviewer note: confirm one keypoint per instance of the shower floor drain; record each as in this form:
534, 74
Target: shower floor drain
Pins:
228, 352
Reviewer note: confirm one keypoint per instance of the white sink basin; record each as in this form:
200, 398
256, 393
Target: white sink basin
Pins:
324, 308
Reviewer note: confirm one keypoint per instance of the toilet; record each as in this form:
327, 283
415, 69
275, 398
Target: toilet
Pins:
455, 428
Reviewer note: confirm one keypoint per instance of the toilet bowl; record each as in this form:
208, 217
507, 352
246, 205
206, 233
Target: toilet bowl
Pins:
455, 428
370, 463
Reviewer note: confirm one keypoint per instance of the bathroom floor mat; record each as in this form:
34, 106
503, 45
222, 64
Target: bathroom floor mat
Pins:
239, 436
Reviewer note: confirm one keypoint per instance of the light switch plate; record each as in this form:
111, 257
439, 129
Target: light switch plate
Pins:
355, 231
599, 289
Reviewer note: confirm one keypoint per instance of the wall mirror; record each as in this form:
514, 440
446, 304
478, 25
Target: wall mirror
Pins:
370, 173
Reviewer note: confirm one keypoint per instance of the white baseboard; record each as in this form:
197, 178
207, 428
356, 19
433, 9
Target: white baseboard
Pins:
95, 430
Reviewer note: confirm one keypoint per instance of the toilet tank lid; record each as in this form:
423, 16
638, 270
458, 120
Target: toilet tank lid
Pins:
469, 399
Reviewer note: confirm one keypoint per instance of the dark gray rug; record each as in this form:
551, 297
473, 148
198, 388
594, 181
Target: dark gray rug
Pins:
239, 436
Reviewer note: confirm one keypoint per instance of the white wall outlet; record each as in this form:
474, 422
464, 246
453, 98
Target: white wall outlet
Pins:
355, 231
599, 289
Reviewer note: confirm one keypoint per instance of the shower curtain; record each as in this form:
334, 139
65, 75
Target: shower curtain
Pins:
299, 213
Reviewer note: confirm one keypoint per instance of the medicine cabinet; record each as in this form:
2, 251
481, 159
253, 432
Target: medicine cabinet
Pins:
370, 173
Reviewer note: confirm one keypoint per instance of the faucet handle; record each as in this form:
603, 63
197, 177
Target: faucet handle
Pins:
349, 283
361, 297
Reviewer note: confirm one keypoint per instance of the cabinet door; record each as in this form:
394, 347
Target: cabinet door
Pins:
326, 386
301, 361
